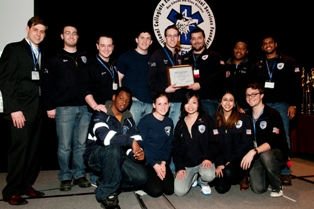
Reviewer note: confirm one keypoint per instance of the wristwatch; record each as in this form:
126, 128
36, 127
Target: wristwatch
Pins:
256, 151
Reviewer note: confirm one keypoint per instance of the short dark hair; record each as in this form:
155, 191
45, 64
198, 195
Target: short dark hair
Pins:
198, 30
189, 94
144, 31
107, 35
257, 86
171, 27
35, 21
123, 88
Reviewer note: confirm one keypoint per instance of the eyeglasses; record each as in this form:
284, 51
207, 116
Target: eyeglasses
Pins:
252, 95
172, 36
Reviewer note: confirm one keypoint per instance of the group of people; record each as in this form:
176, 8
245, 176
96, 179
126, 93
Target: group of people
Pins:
122, 122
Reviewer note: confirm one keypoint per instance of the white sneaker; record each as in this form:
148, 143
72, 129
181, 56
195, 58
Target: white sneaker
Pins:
194, 184
94, 185
206, 190
274, 193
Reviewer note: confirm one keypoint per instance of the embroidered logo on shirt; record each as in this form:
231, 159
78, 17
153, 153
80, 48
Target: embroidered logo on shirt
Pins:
215, 131
275, 130
165, 62
280, 65
227, 74
46, 70
248, 132
103, 73
65, 60
84, 59
125, 129
153, 64
168, 130
263, 124
204, 57
201, 128
239, 124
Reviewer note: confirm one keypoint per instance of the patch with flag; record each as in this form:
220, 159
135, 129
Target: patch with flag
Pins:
222, 62
296, 70
275, 130
248, 132
215, 131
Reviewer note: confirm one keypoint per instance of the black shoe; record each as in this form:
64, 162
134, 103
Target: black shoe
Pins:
82, 182
111, 202
65, 185
286, 180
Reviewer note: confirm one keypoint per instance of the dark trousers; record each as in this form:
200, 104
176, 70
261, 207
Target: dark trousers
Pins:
23, 157
231, 175
154, 186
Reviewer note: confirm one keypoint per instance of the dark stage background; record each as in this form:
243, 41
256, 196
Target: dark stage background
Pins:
292, 22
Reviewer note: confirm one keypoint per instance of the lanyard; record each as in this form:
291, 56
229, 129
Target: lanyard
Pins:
169, 57
109, 70
35, 59
272, 70
195, 59
254, 121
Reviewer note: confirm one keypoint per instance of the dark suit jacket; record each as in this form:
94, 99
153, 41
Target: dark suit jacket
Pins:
19, 91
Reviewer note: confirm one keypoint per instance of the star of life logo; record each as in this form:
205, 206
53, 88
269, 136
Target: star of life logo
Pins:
186, 15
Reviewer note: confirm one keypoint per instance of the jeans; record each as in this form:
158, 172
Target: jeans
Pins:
282, 108
117, 169
139, 109
72, 125
182, 187
265, 170
174, 114
210, 106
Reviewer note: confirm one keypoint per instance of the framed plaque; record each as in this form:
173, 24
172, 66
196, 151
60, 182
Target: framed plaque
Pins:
181, 75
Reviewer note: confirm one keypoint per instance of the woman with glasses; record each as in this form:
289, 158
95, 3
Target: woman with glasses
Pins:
235, 133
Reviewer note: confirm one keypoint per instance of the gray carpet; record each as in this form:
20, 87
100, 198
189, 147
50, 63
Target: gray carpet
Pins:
299, 195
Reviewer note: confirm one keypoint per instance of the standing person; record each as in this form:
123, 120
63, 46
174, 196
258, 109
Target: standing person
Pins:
157, 74
63, 78
102, 75
195, 147
102, 80
156, 130
207, 70
238, 73
114, 149
21, 67
133, 72
280, 76
270, 151
235, 133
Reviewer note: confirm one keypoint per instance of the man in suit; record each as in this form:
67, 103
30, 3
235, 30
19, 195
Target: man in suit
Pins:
21, 67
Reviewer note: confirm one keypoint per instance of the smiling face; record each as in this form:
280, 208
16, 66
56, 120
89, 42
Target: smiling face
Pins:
198, 42
253, 97
192, 105
172, 38
105, 48
227, 102
269, 46
240, 51
36, 33
70, 36
161, 106
144, 40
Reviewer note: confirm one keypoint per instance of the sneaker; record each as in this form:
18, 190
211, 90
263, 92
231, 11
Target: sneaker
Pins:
274, 193
111, 202
82, 182
94, 185
65, 185
286, 180
206, 190
194, 184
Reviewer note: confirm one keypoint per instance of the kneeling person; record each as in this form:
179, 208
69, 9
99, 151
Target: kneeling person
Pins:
114, 149
271, 149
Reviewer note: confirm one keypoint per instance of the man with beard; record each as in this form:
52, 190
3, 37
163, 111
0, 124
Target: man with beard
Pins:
207, 69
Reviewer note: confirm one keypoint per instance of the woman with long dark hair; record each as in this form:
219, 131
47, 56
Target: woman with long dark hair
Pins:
235, 133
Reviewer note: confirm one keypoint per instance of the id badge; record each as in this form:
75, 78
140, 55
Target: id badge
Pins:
35, 75
269, 85
114, 86
196, 73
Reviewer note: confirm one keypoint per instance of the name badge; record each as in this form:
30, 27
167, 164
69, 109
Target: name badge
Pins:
114, 86
35, 75
269, 85
196, 73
